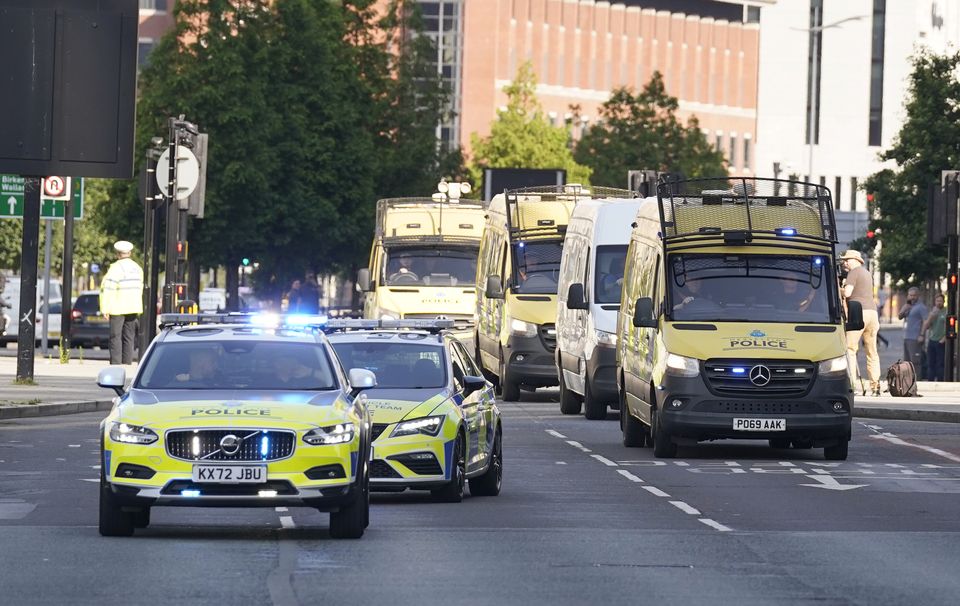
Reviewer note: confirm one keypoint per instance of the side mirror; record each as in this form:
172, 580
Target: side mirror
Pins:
643, 313
575, 298
854, 316
494, 288
361, 379
473, 384
363, 280
112, 377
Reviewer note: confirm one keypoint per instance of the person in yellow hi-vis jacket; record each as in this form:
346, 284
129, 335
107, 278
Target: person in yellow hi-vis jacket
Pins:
121, 300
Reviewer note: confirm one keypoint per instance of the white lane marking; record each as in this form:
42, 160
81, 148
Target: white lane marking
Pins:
58, 458
874, 427
629, 476
685, 508
281, 509
556, 434
287, 522
887, 464
831, 483
576, 444
561, 462
89, 479
655, 491
889, 437
97, 466
681, 463
604, 460
74, 445
715, 525
782, 463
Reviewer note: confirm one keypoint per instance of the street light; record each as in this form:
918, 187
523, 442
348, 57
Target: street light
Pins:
813, 79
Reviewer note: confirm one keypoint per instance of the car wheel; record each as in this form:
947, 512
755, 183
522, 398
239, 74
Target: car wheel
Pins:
141, 519
351, 520
509, 388
779, 443
453, 491
488, 485
593, 408
663, 446
837, 452
114, 522
569, 402
634, 433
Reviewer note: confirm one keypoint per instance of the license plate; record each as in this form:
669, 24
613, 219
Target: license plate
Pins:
96, 320
760, 424
230, 474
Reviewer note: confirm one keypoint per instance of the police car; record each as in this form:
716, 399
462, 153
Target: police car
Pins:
236, 411
435, 421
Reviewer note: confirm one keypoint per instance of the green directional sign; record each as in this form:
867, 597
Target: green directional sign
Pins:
11, 200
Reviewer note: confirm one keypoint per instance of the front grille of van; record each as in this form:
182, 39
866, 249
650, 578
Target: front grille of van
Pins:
786, 377
548, 336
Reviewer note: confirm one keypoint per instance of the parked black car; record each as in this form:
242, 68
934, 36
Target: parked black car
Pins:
89, 327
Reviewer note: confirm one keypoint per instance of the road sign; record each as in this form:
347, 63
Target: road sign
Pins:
56, 188
11, 199
188, 172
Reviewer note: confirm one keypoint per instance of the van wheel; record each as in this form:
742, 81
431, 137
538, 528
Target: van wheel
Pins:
509, 388
837, 452
634, 433
569, 402
593, 409
663, 446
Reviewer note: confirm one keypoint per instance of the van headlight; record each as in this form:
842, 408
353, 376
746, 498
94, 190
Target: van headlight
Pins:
606, 339
332, 434
834, 367
132, 434
682, 366
428, 426
520, 328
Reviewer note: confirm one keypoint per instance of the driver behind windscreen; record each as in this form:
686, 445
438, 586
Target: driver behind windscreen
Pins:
401, 265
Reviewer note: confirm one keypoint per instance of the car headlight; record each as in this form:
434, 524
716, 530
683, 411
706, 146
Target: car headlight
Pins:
682, 366
332, 434
428, 426
522, 329
132, 434
607, 339
834, 367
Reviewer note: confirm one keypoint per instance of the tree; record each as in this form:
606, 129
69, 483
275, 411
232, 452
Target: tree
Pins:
928, 142
641, 131
521, 136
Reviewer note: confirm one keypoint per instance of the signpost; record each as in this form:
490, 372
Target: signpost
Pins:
51, 207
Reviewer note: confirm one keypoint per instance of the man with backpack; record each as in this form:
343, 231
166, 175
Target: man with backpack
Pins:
914, 313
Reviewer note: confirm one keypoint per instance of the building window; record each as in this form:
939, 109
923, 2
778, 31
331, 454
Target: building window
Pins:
144, 48
154, 5
836, 192
718, 141
751, 14
733, 149
747, 140
876, 72
442, 24
853, 193
813, 65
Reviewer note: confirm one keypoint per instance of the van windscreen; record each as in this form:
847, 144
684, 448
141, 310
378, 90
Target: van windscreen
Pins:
750, 288
537, 267
431, 266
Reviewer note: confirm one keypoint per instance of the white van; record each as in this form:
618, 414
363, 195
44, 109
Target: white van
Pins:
11, 296
591, 273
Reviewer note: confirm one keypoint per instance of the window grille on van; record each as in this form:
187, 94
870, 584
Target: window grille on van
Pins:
532, 211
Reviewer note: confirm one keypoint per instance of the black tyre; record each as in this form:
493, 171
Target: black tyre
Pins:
114, 522
352, 519
509, 387
837, 452
779, 443
634, 433
141, 519
663, 446
593, 408
479, 359
488, 485
452, 492
570, 402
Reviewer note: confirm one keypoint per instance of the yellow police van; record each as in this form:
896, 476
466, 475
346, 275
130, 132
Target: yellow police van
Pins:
423, 261
731, 323
517, 281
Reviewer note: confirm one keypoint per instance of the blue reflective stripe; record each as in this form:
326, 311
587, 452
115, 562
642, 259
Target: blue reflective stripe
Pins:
448, 457
106, 464
354, 456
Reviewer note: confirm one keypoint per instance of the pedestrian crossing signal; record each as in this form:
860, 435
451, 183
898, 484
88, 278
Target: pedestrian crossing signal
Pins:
951, 327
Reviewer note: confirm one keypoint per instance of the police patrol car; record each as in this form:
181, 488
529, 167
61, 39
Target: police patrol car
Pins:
236, 411
435, 421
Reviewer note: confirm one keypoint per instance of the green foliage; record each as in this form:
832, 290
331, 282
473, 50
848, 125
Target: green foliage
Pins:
928, 143
641, 131
521, 136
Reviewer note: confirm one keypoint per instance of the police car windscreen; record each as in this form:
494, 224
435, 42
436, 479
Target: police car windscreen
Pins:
397, 365
254, 365
750, 288
608, 273
431, 266
537, 268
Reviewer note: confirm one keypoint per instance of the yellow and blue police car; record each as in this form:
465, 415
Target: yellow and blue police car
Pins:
436, 424
236, 411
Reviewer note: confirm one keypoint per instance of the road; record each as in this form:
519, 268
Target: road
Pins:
581, 520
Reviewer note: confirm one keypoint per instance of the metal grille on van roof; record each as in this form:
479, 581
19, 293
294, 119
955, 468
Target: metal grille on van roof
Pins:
544, 211
751, 206
429, 221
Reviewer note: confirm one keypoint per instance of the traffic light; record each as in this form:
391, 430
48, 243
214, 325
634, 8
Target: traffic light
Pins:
952, 280
181, 290
182, 250
871, 198
951, 327
246, 261
871, 235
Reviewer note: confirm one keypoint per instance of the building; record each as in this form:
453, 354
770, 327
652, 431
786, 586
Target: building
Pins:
862, 69
156, 18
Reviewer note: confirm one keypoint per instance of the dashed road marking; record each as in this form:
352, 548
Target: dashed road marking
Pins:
685, 508
280, 509
629, 476
655, 491
561, 462
89, 479
287, 522
576, 444
604, 460
681, 463
556, 434
74, 445
889, 437
715, 525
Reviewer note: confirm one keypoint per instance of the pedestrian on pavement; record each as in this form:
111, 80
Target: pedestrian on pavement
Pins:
913, 314
935, 328
310, 295
294, 298
121, 301
858, 286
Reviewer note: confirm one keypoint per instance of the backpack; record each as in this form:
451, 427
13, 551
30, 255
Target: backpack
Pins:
902, 379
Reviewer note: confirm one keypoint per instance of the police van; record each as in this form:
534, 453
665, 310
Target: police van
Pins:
591, 274
732, 324
423, 260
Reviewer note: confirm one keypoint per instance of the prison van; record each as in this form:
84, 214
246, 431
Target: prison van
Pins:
591, 275
423, 260
732, 324
517, 280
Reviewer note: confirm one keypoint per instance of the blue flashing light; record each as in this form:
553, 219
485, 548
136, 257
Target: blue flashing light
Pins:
738, 370
521, 244
787, 231
304, 320
189, 493
264, 446
817, 261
